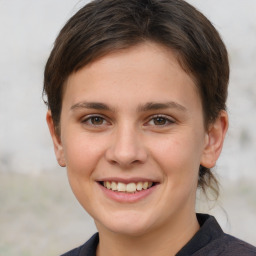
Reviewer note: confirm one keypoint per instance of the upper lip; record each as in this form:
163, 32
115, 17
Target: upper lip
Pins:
127, 180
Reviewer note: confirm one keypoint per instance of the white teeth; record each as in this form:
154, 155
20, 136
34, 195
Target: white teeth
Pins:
139, 186
145, 185
130, 187
113, 186
108, 184
121, 187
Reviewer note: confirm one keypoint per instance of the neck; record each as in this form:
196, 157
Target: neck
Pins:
166, 240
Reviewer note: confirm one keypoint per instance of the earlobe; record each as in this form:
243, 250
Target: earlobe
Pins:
58, 148
214, 140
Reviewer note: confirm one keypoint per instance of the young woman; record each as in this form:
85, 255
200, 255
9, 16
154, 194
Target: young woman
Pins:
136, 92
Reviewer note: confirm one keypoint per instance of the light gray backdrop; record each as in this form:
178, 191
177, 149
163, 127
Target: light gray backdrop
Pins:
38, 215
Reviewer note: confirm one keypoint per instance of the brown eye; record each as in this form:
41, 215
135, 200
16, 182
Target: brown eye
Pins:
160, 120
97, 120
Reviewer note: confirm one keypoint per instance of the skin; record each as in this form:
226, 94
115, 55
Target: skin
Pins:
122, 138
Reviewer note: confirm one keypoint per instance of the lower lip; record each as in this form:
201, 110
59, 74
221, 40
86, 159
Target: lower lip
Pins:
124, 197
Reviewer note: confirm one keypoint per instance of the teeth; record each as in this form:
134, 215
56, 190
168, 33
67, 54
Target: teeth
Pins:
108, 184
139, 186
145, 185
113, 186
121, 187
129, 188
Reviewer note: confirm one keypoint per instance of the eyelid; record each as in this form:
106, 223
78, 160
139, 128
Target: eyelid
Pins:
169, 119
86, 118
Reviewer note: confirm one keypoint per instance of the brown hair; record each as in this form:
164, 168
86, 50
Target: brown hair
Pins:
103, 26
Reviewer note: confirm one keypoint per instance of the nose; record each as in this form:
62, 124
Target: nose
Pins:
126, 148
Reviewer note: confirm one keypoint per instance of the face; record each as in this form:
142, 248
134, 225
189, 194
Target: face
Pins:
133, 138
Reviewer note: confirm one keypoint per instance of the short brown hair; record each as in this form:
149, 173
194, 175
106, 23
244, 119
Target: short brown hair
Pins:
103, 26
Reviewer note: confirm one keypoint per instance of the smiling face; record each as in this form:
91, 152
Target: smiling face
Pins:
133, 138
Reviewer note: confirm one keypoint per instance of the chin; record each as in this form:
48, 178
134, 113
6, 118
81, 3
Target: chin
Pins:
129, 230
126, 225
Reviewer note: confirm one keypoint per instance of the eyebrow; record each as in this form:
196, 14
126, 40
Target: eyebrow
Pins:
158, 106
142, 108
91, 105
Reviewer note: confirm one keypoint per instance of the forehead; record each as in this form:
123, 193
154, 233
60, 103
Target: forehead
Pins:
146, 72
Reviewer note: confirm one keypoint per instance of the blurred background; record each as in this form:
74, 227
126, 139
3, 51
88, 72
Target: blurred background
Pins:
38, 213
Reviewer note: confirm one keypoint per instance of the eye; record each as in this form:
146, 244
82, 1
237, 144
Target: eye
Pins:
95, 121
160, 121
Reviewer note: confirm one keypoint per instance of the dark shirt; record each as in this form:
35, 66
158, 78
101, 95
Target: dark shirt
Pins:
210, 240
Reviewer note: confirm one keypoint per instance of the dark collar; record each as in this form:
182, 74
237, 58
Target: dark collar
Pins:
90, 247
209, 231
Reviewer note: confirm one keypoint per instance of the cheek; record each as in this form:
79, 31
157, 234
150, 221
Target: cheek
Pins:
179, 158
82, 153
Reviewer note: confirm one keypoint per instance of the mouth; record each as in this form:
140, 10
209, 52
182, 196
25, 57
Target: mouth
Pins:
132, 187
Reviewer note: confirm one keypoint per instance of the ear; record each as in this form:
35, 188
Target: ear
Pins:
58, 148
214, 140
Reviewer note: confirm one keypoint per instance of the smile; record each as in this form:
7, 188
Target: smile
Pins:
127, 188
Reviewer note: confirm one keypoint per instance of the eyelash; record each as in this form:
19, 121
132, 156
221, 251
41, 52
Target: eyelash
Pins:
89, 120
167, 121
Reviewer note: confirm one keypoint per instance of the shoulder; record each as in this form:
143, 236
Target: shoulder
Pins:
74, 252
236, 247
226, 245
210, 240
87, 249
